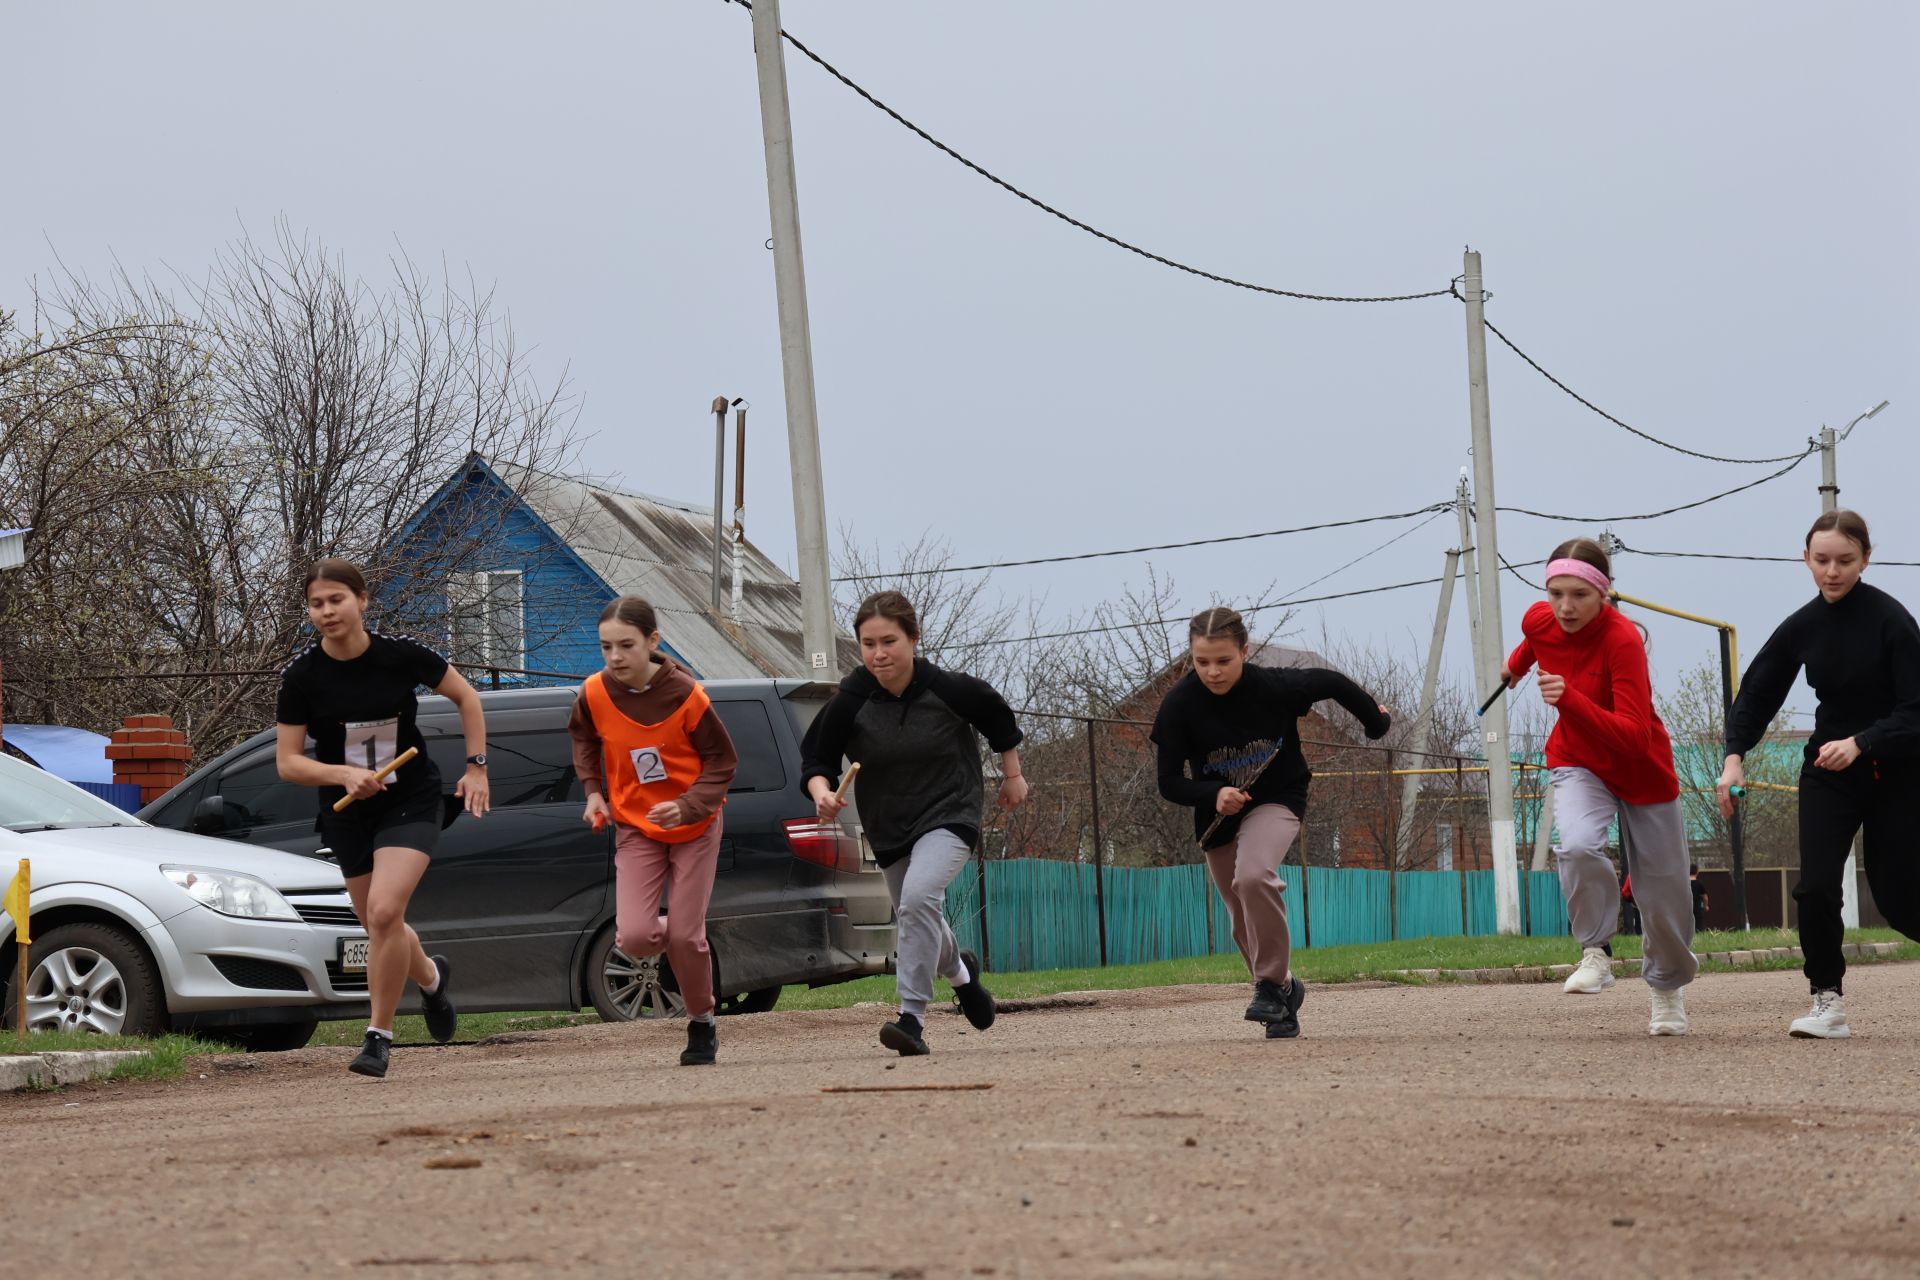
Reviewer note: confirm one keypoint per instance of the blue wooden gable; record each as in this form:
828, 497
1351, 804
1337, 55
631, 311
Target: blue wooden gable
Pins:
476, 523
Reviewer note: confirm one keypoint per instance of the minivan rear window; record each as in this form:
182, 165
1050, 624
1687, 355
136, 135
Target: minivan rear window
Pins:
522, 768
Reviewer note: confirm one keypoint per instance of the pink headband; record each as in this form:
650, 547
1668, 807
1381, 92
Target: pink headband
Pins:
1580, 569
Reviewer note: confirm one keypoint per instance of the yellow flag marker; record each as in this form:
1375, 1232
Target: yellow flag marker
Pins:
19, 894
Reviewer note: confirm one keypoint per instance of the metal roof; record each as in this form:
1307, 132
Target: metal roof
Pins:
663, 550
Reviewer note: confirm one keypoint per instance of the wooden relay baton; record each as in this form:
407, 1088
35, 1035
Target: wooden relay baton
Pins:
381, 772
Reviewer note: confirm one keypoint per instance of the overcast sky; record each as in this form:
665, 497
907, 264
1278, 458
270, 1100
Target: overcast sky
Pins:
1699, 216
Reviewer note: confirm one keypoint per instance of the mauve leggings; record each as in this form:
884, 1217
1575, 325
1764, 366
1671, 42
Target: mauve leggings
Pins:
642, 867
1248, 875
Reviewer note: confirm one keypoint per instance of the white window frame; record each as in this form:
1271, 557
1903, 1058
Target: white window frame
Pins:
1443, 846
502, 638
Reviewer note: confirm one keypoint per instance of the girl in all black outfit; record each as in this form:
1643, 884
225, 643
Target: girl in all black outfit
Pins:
352, 692
1861, 652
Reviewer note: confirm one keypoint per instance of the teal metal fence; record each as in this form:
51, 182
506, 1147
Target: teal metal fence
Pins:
1043, 914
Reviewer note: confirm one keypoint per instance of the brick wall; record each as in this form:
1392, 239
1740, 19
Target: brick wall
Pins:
149, 753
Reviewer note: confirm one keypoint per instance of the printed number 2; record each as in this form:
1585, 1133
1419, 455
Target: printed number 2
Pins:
647, 765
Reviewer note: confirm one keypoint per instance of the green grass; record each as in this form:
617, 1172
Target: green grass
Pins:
166, 1058
1355, 963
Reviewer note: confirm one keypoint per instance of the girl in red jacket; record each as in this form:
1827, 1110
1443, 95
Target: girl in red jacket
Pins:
1610, 756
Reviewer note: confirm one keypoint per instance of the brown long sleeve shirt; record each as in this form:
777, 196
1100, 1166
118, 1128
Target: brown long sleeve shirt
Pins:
671, 685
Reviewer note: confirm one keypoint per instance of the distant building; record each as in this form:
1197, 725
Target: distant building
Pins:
508, 569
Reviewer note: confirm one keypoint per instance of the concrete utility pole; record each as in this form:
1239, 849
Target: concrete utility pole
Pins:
1829, 501
796, 348
1506, 868
719, 489
1423, 723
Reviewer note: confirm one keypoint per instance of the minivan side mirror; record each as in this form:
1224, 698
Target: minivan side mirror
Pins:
210, 816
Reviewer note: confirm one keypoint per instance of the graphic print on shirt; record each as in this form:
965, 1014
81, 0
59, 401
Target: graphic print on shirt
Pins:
372, 744
1238, 765
647, 764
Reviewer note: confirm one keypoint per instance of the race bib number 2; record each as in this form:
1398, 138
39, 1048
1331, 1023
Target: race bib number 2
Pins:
647, 764
372, 744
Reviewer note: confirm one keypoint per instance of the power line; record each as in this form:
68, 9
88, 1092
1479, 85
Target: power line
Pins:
1172, 619
1134, 551
1652, 439
1718, 555
1655, 515
1504, 564
1438, 511
1072, 221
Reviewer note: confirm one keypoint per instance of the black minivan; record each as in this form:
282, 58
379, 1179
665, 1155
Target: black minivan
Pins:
521, 901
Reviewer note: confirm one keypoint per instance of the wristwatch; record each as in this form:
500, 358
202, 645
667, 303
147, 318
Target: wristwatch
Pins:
480, 759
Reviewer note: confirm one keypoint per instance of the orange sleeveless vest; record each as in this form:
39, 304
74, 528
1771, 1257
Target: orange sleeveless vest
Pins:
648, 764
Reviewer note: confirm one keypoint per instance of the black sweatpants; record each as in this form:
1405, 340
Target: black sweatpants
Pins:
1833, 806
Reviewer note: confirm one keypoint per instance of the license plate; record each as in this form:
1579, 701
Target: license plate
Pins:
353, 955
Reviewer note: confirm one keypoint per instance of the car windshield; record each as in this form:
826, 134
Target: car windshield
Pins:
33, 800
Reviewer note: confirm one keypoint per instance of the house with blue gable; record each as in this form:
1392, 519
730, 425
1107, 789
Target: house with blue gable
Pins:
508, 568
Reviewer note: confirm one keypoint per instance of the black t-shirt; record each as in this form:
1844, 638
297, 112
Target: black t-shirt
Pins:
361, 712
1210, 740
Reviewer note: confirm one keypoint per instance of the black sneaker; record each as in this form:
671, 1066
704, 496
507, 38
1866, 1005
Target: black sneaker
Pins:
1269, 1002
1287, 1025
975, 1000
703, 1045
903, 1036
441, 1016
373, 1057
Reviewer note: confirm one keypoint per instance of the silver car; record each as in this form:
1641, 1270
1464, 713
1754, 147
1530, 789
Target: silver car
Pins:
138, 930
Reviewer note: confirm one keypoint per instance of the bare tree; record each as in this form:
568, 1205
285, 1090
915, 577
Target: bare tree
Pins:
182, 464
1770, 814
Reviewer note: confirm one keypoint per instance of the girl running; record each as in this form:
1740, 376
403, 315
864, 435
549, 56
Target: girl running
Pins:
1609, 754
1229, 741
352, 692
653, 756
912, 728
1861, 653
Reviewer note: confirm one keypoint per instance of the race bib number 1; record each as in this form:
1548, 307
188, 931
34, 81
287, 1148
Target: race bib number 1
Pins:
647, 764
372, 744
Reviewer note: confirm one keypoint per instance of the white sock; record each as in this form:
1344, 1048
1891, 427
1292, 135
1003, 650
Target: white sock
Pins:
426, 990
961, 978
382, 1032
703, 1017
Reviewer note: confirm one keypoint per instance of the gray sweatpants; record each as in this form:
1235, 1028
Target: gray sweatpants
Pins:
918, 885
1655, 838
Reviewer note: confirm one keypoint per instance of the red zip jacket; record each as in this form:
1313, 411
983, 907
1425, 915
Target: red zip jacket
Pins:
1607, 722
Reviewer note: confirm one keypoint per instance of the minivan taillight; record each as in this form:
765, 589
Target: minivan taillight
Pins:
827, 843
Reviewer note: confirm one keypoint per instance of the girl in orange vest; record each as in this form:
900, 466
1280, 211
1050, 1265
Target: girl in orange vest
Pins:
655, 759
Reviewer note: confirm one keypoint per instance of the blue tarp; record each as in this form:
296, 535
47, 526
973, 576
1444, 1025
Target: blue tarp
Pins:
63, 751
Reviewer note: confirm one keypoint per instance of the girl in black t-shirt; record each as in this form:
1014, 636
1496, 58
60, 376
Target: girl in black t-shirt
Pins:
1228, 735
352, 692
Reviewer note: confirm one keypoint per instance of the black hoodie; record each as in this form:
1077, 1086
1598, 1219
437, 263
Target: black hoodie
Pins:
920, 768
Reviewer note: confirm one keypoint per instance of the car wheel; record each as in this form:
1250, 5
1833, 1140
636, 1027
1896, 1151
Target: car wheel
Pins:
265, 1037
760, 1001
93, 977
623, 988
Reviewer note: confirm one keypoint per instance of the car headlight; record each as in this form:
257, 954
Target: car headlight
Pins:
231, 893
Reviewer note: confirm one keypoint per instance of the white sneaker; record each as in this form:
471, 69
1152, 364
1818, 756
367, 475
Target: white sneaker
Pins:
1669, 1012
1828, 1021
1594, 975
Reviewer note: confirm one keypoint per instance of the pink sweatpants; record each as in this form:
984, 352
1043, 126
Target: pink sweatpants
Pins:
642, 867
1248, 875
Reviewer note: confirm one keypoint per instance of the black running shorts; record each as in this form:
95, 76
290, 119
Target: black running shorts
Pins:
410, 820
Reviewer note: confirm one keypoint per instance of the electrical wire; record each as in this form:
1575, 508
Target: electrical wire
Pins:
1134, 551
1717, 555
1069, 219
1651, 439
1655, 515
